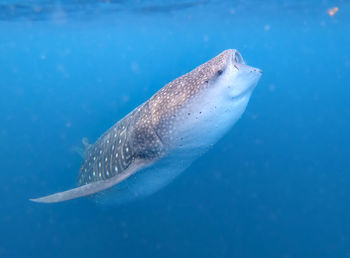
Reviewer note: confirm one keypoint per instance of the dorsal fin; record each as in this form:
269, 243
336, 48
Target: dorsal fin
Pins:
82, 150
86, 144
89, 189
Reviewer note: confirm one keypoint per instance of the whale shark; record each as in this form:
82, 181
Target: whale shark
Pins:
159, 139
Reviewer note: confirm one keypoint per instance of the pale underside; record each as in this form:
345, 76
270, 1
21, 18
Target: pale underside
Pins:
193, 138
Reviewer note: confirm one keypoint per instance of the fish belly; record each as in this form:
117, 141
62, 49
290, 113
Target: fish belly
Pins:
145, 182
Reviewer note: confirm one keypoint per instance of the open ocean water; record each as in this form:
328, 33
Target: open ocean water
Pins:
277, 185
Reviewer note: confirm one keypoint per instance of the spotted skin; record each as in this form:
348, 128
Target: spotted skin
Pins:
132, 138
110, 155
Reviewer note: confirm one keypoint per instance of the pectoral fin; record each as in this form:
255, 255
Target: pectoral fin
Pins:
88, 189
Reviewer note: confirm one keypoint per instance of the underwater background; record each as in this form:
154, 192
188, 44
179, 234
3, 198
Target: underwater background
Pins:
277, 185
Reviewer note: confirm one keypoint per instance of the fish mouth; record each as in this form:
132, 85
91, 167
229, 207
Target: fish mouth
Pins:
236, 57
237, 61
244, 77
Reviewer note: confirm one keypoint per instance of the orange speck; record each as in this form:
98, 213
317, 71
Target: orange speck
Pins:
333, 11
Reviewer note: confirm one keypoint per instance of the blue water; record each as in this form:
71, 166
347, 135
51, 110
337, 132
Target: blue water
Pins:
277, 185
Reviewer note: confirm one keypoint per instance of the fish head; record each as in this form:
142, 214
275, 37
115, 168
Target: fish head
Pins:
217, 93
230, 75
193, 111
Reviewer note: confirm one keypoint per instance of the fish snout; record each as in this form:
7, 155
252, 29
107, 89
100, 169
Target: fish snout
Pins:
256, 70
237, 61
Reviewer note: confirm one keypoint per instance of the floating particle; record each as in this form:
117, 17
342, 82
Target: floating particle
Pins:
333, 11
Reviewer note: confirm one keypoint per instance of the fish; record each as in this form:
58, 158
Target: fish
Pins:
159, 139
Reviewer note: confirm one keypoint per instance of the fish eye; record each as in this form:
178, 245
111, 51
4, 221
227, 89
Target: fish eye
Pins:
219, 72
